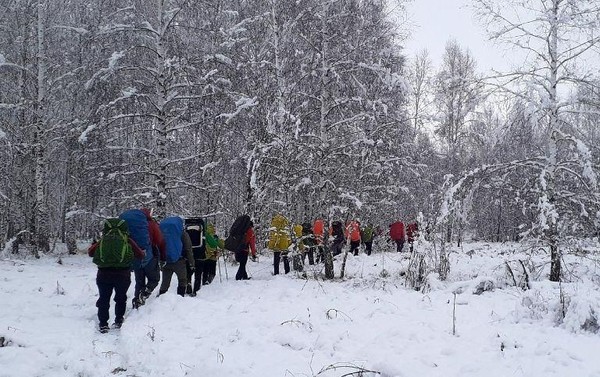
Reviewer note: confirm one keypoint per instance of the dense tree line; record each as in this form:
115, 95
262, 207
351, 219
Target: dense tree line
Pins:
215, 108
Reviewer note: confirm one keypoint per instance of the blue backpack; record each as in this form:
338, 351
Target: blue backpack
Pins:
172, 230
137, 223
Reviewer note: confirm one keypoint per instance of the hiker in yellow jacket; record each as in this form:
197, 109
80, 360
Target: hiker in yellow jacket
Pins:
213, 245
279, 242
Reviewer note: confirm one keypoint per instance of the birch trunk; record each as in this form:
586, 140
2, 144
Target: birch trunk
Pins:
41, 232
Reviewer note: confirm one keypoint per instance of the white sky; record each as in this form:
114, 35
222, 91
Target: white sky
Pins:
439, 20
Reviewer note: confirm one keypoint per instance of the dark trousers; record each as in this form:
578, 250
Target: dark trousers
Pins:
311, 255
242, 258
178, 268
354, 247
277, 255
210, 270
399, 245
108, 281
147, 277
336, 247
320, 253
369, 247
199, 274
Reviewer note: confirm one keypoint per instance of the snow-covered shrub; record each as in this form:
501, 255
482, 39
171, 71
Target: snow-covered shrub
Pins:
534, 306
580, 314
484, 285
433, 282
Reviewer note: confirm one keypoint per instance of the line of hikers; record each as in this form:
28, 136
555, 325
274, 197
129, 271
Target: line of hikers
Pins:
308, 240
190, 249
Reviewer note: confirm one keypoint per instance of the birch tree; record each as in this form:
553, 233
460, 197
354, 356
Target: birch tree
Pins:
558, 34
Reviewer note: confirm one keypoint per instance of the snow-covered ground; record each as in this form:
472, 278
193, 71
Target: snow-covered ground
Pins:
288, 326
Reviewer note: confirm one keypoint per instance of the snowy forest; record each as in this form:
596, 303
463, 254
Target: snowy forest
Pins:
314, 109
217, 108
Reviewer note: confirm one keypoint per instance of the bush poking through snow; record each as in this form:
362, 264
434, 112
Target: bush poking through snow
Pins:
4, 342
348, 369
484, 286
580, 315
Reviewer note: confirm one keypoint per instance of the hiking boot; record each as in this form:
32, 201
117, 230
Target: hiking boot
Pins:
118, 323
136, 303
189, 290
103, 328
143, 296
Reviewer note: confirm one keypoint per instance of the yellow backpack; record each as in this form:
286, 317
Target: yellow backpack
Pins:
298, 236
279, 234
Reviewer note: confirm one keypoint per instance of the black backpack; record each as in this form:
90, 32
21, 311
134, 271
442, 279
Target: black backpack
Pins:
195, 229
237, 233
337, 229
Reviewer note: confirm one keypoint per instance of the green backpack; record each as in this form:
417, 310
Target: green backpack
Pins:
113, 248
367, 234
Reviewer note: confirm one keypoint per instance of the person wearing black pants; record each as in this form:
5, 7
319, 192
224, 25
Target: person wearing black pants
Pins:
109, 279
117, 279
147, 278
277, 256
242, 256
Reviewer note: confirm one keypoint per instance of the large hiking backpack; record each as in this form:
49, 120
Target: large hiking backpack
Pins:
319, 230
195, 229
337, 231
397, 231
367, 234
172, 229
235, 242
113, 248
354, 231
308, 238
139, 231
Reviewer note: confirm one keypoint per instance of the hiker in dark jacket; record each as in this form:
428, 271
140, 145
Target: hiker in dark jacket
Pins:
336, 234
117, 279
195, 228
178, 252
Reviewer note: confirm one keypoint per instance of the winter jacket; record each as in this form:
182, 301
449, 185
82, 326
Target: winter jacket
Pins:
397, 231
250, 242
213, 243
367, 233
187, 248
156, 238
412, 232
279, 234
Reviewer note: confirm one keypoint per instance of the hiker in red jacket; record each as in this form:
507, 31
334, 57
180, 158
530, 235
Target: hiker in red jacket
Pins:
412, 232
398, 235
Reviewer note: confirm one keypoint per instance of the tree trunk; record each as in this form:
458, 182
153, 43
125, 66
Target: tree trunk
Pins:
41, 232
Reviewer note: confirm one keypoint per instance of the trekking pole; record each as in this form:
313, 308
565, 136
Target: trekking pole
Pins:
225, 265
219, 266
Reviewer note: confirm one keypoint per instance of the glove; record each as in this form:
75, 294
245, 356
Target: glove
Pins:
161, 264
